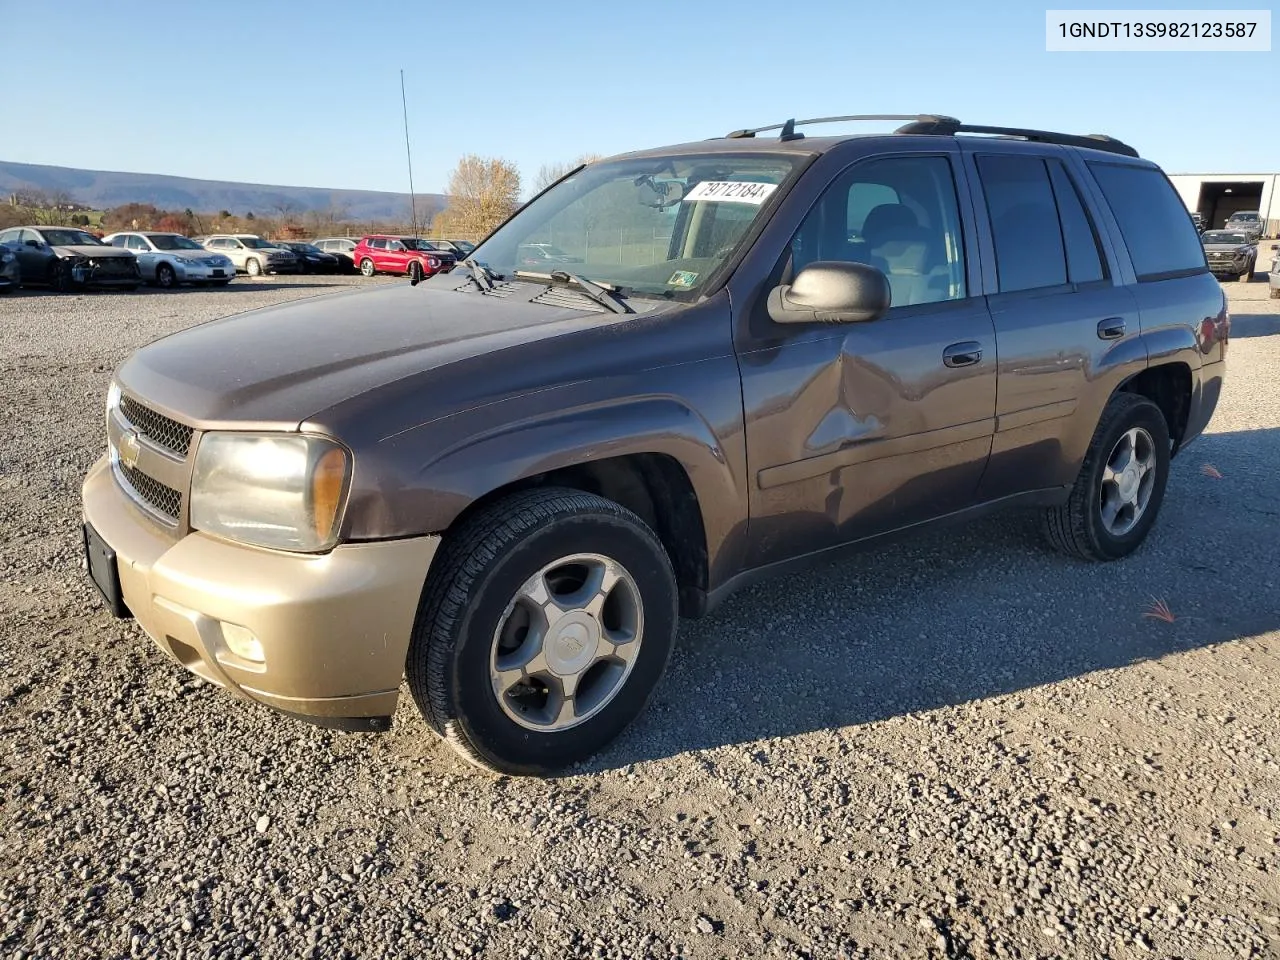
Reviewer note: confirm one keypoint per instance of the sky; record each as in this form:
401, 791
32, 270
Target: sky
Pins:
308, 93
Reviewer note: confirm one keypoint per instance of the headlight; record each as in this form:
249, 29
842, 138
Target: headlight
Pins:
113, 399
270, 490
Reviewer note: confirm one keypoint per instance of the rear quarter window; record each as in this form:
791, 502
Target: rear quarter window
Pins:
1161, 238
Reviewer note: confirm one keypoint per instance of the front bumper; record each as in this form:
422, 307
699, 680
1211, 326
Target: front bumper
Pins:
334, 628
200, 273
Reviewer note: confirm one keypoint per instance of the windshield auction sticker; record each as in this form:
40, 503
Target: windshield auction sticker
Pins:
1133, 31
731, 191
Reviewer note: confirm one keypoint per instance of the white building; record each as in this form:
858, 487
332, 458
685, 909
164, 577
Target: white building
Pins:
1218, 195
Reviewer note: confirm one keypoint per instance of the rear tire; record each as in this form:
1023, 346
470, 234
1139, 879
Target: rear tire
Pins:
467, 630
1080, 527
366, 267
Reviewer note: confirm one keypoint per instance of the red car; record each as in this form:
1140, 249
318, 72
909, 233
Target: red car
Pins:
406, 255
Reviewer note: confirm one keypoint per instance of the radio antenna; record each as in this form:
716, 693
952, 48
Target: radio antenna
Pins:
413, 203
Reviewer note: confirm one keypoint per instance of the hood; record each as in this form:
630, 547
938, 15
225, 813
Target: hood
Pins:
86, 250
278, 366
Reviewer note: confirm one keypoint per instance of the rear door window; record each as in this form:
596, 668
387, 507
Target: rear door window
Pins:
1024, 222
1161, 240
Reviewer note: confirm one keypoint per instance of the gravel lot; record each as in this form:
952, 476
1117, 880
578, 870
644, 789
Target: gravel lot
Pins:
960, 746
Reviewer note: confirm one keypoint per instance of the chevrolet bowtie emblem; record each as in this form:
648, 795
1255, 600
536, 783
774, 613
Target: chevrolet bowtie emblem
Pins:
130, 447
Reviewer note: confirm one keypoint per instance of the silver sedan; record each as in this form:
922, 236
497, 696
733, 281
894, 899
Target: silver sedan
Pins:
168, 259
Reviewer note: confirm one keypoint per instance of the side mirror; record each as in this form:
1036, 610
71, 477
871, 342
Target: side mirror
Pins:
33, 243
831, 291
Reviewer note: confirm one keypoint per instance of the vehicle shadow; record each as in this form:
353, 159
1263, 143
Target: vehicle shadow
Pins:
972, 612
1254, 325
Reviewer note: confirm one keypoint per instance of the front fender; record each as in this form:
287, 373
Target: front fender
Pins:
421, 481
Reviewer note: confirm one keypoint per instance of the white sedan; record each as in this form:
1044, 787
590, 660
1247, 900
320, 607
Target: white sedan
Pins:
168, 259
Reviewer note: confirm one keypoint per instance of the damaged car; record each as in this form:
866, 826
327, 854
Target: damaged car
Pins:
64, 258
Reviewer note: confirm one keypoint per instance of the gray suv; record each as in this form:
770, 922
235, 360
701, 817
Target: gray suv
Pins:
507, 482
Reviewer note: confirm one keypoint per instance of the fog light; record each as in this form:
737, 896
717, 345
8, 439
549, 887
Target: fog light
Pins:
242, 643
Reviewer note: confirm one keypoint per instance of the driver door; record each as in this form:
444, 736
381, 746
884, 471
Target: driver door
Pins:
857, 429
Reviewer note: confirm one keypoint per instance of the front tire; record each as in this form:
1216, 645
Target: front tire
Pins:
366, 267
1247, 276
253, 268
1121, 484
415, 272
166, 279
60, 276
543, 630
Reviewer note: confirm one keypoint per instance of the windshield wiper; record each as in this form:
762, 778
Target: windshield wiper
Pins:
604, 296
480, 274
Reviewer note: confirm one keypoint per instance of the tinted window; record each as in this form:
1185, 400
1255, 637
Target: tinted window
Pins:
1153, 221
1084, 259
1024, 222
899, 214
378, 244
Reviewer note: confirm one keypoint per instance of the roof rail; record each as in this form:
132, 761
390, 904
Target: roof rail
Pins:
942, 126
949, 127
789, 128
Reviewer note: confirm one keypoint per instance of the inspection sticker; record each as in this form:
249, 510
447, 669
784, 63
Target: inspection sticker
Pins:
682, 278
733, 191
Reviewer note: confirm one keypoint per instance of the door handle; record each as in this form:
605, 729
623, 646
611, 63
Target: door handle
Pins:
1111, 328
962, 354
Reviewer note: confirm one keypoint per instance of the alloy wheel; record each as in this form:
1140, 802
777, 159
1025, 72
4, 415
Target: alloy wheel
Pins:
1127, 481
566, 642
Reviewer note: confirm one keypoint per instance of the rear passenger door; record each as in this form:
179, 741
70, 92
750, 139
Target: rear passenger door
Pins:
1063, 320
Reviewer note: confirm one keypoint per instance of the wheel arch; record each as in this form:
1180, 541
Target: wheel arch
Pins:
1170, 386
653, 455
655, 487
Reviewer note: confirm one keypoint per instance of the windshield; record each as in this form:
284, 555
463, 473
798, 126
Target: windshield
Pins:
1222, 236
70, 238
1242, 217
464, 245
172, 241
256, 243
656, 227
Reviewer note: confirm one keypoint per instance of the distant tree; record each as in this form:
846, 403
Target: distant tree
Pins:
249, 215
549, 173
172, 223
224, 214
80, 220
483, 192
131, 216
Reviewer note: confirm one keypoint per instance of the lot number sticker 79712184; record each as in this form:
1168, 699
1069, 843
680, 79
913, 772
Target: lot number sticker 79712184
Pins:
731, 191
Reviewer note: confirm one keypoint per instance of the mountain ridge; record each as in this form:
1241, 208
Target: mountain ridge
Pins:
106, 188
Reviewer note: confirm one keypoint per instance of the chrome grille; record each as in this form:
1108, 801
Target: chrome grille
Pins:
156, 427
114, 267
162, 499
